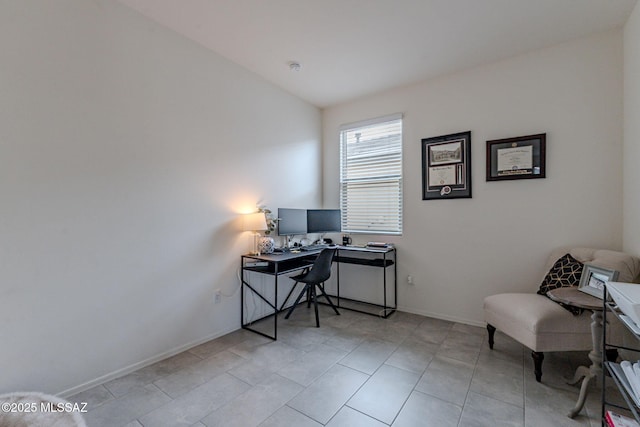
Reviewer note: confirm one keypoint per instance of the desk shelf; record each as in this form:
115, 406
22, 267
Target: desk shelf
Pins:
283, 267
375, 262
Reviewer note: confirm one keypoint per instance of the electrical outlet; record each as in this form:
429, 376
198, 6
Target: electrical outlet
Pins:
217, 297
410, 280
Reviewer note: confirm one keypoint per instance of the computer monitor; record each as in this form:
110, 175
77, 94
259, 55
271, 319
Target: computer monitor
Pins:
324, 221
292, 221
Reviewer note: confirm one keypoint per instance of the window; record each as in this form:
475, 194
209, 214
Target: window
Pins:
371, 176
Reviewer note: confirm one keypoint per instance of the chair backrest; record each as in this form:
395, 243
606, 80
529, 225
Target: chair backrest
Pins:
321, 269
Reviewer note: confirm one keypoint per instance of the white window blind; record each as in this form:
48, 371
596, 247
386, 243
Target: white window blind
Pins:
371, 176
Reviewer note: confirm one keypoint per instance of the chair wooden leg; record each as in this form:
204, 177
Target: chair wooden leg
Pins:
538, 357
492, 330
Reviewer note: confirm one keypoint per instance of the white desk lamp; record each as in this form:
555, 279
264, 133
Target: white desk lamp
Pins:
255, 222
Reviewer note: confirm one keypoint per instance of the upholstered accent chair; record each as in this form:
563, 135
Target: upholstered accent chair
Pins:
545, 326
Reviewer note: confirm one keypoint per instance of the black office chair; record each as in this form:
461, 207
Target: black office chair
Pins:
315, 277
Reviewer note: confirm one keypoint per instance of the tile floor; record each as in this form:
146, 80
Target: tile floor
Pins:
355, 370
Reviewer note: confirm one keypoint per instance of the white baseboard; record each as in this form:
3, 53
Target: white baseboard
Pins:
442, 317
150, 361
131, 368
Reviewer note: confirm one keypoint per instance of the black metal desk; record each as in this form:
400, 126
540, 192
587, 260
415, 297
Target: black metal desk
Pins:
369, 257
277, 265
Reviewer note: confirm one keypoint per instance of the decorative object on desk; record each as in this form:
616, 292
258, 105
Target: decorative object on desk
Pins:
266, 245
594, 278
346, 240
271, 221
446, 166
516, 158
255, 222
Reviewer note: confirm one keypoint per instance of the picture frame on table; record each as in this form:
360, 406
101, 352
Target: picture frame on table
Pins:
517, 158
594, 278
446, 166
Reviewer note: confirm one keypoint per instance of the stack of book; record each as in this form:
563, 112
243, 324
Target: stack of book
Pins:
378, 245
617, 420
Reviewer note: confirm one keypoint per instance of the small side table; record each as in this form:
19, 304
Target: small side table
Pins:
572, 296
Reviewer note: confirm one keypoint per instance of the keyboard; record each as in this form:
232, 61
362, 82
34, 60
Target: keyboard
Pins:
300, 248
313, 247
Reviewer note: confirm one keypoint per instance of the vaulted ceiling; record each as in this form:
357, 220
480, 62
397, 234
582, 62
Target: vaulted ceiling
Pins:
351, 48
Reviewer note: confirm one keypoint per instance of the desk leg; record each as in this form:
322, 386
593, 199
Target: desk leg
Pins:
384, 284
245, 286
595, 370
395, 279
275, 306
242, 292
338, 280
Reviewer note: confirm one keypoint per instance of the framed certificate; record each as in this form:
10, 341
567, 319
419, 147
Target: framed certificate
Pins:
446, 166
516, 158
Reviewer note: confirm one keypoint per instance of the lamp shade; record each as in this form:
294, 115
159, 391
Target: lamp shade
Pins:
255, 222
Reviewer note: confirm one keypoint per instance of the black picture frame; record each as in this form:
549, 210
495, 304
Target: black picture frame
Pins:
517, 158
446, 166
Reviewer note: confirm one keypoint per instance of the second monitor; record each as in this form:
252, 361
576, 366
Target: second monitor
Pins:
292, 222
324, 221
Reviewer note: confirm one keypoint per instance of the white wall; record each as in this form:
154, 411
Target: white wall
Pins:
126, 155
632, 133
459, 251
